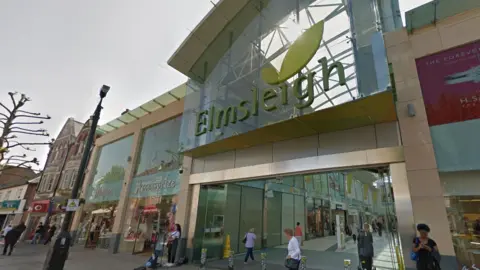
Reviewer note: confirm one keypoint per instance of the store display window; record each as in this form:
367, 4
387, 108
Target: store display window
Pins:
462, 201
152, 201
102, 196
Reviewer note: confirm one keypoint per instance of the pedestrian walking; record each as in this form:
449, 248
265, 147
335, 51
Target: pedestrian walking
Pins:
38, 234
51, 233
292, 261
249, 241
12, 238
365, 247
299, 234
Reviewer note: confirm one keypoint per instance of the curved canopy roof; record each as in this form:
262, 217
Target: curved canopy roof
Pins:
157, 103
211, 38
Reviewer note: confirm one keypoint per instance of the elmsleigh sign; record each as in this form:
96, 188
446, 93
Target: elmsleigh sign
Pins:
277, 95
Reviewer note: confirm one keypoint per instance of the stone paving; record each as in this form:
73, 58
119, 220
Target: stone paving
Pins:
31, 257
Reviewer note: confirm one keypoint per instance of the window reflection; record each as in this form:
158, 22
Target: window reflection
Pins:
104, 192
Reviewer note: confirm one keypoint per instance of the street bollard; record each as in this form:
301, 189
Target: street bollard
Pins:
264, 258
303, 263
347, 264
203, 259
230, 260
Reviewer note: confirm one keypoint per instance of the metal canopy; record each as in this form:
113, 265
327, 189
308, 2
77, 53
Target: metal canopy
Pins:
157, 103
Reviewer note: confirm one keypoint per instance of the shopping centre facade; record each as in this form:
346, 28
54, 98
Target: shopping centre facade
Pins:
319, 112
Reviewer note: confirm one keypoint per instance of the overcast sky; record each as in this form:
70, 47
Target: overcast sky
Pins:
61, 52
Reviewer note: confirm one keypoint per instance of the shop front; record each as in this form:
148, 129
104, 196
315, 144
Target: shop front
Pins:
131, 191
8, 211
103, 193
152, 198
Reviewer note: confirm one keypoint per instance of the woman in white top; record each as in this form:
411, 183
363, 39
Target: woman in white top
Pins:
293, 258
173, 243
249, 244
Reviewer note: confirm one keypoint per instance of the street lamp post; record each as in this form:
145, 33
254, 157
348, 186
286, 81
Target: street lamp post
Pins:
58, 252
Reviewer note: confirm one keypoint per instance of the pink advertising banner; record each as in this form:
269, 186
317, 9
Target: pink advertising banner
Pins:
450, 83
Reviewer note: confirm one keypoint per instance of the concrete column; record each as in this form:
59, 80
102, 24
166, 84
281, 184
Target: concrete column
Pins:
123, 200
425, 188
182, 216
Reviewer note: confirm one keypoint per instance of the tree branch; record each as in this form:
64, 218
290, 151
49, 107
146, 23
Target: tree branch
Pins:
29, 130
23, 144
28, 123
29, 133
5, 107
35, 117
27, 112
12, 94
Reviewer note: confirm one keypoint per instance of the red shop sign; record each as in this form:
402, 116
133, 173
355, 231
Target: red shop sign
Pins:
40, 206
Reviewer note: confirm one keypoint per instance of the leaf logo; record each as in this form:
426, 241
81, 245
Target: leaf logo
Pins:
297, 57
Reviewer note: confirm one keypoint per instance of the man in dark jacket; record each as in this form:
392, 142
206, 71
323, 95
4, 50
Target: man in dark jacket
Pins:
365, 247
12, 237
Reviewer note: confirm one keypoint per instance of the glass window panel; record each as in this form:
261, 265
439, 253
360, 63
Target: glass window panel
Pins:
160, 148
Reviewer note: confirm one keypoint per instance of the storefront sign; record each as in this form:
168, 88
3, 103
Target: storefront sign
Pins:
450, 83
40, 206
159, 184
9, 205
72, 205
104, 192
270, 99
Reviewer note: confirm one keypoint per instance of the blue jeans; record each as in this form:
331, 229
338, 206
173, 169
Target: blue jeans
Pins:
249, 253
35, 237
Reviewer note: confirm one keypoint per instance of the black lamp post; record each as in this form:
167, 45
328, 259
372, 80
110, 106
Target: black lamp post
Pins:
58, 253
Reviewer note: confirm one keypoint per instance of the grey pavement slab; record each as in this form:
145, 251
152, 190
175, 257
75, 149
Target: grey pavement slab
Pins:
31, 257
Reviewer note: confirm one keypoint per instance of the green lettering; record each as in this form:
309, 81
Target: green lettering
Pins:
268, 94
327, 71
226, 112
246, 112
284, 89
201, 121
297, 91
255, 101
211, 115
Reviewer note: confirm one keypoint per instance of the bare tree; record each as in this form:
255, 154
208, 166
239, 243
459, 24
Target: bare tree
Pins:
15, 122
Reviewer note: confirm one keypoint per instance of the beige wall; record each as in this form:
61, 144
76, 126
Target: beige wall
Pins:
369, 137
424, 183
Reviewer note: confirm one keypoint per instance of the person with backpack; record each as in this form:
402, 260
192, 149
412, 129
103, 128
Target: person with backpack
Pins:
425, 250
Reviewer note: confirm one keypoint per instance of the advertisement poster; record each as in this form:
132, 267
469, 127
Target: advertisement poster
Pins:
450, 83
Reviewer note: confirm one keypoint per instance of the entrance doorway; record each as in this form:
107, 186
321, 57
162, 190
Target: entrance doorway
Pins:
331, 209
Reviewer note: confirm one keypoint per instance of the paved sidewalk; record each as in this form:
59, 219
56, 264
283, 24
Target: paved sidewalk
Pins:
32, 257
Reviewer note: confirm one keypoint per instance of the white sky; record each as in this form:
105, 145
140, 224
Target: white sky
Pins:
61, 52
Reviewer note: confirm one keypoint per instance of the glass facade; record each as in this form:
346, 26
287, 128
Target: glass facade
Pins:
330, 207
152, 199
103, 193
258, 75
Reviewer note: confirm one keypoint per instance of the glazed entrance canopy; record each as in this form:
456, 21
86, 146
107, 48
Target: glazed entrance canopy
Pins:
254, 63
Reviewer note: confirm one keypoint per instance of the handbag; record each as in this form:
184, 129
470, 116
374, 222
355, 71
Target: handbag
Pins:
291, 263
413, 254
244, 239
